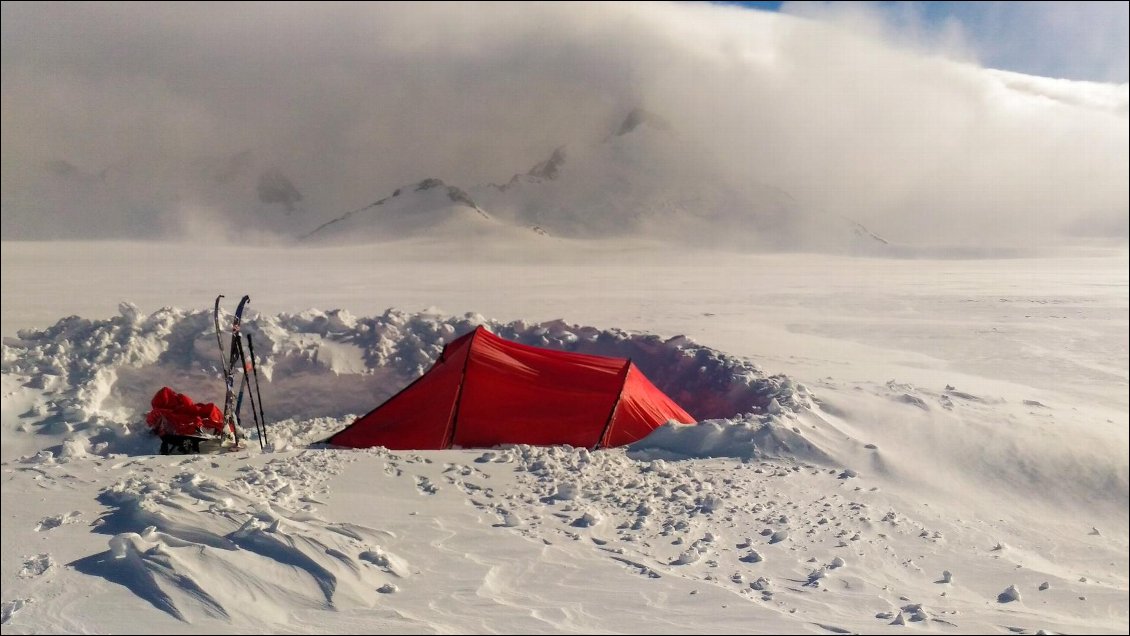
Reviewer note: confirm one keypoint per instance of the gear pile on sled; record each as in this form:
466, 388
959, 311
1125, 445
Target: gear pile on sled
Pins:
183, 424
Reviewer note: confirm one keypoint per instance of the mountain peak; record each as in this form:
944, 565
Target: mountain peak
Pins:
548, 168
640, 116
275, 187
429, 183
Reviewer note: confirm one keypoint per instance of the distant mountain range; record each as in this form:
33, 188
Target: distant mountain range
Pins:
642, 181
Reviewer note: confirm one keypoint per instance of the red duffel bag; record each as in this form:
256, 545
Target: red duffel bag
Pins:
176, 414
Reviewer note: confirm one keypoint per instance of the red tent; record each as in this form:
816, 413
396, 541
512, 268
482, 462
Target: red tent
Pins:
484, 391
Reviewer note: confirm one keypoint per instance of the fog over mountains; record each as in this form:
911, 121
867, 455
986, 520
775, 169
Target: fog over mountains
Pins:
237, 124
644, 180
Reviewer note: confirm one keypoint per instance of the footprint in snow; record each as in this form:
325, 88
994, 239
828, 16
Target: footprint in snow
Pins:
9, 608
36, 566
425, 486
54, 521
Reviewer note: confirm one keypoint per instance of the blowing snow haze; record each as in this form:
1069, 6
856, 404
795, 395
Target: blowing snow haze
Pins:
224, 122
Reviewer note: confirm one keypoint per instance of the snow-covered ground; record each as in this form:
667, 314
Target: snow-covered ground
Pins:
888, 444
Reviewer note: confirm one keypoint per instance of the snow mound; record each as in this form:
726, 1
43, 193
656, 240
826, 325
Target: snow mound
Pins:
750, 437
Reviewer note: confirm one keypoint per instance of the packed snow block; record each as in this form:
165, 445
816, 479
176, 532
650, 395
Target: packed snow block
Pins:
1009, 595
485, 391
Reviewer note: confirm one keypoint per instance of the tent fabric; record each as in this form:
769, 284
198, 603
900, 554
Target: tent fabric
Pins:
484, 391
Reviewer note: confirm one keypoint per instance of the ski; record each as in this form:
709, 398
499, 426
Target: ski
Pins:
230, 417
258, 395
219, 338
239, 399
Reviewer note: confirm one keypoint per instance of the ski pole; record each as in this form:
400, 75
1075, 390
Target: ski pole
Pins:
246, 384
258, 395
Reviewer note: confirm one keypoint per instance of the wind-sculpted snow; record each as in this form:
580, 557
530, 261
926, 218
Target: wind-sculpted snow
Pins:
98, 376
201, 547
526, 539
848, 506
750, 437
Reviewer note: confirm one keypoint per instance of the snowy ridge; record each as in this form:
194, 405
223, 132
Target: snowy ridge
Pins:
644, 181
429, 207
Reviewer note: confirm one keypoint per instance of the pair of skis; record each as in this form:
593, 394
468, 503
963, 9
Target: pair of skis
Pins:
232, 404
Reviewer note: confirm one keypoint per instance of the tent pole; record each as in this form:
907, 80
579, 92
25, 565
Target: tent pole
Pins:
449, 439
602, 441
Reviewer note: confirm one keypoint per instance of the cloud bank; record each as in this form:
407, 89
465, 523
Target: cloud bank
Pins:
221, 121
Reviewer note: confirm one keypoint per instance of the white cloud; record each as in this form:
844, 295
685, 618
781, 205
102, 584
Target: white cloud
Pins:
154, 104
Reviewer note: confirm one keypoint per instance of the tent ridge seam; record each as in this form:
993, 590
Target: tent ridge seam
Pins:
602, 440
450, 439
